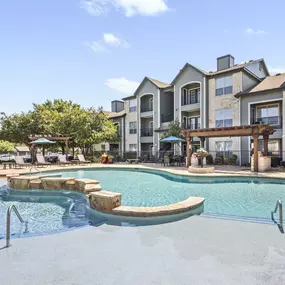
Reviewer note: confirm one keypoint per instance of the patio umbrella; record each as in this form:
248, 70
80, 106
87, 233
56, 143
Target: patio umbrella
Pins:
40, 141
172, 139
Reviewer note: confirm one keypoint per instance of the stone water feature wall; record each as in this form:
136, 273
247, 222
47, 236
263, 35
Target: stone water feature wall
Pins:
103, 201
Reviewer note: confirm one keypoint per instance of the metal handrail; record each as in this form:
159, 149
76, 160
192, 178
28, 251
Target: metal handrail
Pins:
8, 223
34, 168
280, 207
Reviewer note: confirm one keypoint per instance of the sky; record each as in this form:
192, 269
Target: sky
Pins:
96, 51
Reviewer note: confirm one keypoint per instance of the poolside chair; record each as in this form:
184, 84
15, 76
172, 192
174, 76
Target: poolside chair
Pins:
81, 159
20, 161
41, 160
62, 160
166, 160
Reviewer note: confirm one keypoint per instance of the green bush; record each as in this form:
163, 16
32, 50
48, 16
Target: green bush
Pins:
226, 161
233, 159
275, 161
219, 160
209, 159
130, 155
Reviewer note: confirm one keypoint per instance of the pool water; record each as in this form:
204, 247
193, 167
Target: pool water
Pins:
243, 197
52, 211
45, 211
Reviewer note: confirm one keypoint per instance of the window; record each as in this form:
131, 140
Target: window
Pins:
224, 118
224, 85
191, 96
133, 105
191, 123
268, 114
103, 147
133, 127
224, 148
132, 147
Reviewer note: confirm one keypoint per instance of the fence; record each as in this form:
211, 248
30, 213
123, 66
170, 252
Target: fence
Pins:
233, 157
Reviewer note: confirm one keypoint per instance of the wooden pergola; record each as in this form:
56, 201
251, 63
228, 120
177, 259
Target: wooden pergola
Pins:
235, 131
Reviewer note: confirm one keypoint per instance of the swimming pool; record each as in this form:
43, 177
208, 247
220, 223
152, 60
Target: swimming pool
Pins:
231, 196
52, 211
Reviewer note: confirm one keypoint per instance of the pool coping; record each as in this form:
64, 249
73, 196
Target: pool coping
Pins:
179, 172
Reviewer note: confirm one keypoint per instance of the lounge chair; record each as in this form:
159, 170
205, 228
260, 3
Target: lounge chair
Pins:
166, 160
62, 160
20, 161
81, 159
41, 160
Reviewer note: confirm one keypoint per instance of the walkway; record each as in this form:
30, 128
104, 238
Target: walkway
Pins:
196, 251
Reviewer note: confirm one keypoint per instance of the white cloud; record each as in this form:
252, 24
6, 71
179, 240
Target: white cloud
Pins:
112, 40
122, 85
275, 70
95, 7
96, 46
128, 7
251, 31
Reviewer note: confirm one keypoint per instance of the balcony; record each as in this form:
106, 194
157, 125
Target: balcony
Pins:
146, 108
191, 126
147, 132
165, 118
275, 121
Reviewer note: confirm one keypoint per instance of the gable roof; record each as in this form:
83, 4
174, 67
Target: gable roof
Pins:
184, 67
158, 83
274, 82
112, 115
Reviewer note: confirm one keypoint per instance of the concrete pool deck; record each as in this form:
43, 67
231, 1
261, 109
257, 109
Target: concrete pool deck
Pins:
196, 250
227, 170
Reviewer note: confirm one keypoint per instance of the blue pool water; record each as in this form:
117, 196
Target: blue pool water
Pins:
52, 211
246, 197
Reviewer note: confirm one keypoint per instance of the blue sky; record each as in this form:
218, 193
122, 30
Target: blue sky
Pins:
95, 51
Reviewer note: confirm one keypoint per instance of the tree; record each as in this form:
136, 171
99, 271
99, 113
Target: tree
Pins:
174, 129
6, 147
85, 127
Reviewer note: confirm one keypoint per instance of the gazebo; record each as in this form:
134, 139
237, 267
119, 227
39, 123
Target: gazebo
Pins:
254, 131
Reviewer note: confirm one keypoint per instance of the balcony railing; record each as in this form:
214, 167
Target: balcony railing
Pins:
147, 132
191, 126
167, 117
275, 121
146, 108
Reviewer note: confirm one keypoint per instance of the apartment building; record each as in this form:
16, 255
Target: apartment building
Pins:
232, 95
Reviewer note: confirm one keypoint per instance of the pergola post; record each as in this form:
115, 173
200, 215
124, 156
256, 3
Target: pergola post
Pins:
202, 142
188, 151
255, 153
265, 139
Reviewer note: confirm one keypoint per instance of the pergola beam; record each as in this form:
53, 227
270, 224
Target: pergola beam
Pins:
235, 131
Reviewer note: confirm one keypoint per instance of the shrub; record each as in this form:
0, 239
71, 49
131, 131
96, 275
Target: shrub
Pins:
209, 159
233, 159
219, 160
275, 161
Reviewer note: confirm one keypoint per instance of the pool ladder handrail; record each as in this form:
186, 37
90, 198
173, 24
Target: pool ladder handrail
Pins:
280, 207
33, 166
8, 223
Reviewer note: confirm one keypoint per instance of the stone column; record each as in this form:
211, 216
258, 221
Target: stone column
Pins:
188, 151
202, 142
255, 153
265, 139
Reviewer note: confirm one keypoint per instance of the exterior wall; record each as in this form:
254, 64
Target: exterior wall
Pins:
257, 68
224, 102
248, 81
130, 117
149, 88
189, 75
246, 102
166, 103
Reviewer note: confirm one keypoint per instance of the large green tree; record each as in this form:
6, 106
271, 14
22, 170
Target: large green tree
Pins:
6, 147
85, 127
